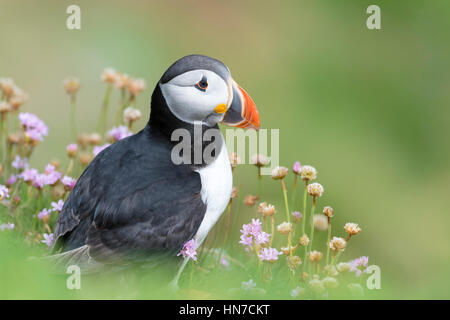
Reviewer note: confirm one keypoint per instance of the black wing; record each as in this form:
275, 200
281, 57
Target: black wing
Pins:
132, 202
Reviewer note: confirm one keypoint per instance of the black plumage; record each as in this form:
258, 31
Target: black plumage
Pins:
132, 202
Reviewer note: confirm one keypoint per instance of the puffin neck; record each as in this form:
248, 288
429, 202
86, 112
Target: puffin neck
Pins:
165, 123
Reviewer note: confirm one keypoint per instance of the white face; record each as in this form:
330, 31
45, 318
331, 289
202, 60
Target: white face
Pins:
190, 101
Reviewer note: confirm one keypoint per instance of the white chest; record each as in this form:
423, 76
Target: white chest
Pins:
217, 182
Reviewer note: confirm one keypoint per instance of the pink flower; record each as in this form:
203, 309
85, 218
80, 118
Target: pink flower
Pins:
40, 180
359, 265
188, 250
120, 132
269, 254
57, 206
53, 177
28, 175
12, 179
19, 163
68, 183
4, 192
48, 239
34, 127
246, 240
44, 214
297, 167
72, 148
49, 168
98, 149
262, 238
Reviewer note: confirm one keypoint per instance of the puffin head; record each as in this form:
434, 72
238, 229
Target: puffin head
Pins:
200, 89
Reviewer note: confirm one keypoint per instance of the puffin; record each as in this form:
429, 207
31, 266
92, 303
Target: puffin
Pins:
138, 203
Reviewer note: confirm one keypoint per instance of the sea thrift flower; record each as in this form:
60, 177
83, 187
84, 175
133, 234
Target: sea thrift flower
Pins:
279, 173
246, 240
85, 158
188, 250
4, 192
359, 265
259, 160
6, 226
320, 222
40, 180
252, 228
250, 200
52, 177
118, 133
109, 76
72, 150
315, 256
14, 139
262, 238
293, 262
285, 228
337, 244
11, 180
98, 149
48, 239
344, 267
71, 85
5, 107
296, 168
7, 85
297, 216
121, 80
18, 98
269, 254
57, 206
68, 183
352, 228
131, 115
28, 175
19, 163
304, 240
35, 128
315, 189
267, 210
95, 138
135, 86
234, 159
330, 283
328, 211
308, 173
44, 215
83, 140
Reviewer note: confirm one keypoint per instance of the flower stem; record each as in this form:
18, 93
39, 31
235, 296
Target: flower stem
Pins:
103, 119
329, 239
283, 185
304, 207
312, 227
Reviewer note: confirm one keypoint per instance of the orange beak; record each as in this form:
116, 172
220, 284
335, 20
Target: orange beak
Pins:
242, 112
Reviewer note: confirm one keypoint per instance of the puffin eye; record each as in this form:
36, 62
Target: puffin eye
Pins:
202, 84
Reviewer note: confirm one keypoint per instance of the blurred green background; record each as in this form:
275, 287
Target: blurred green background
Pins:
369, 109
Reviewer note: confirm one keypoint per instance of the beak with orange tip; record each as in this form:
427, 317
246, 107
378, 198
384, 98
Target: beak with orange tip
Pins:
242, 112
